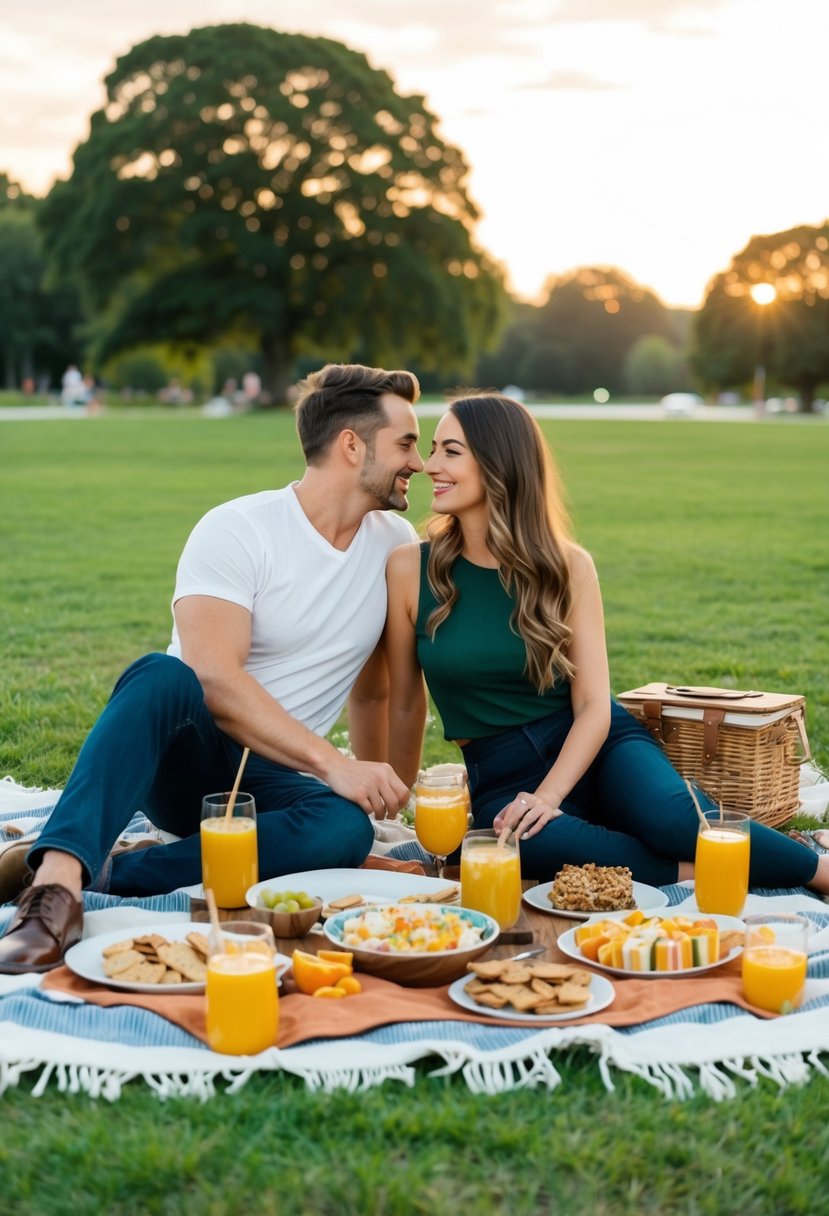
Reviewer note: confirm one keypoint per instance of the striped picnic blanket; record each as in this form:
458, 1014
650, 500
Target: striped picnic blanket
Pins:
712, 1047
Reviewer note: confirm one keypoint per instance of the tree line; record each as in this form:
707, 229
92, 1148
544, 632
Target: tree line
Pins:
252, 198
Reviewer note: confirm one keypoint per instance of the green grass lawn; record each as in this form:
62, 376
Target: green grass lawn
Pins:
711, 544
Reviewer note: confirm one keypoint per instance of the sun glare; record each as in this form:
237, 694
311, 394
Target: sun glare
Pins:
763, 293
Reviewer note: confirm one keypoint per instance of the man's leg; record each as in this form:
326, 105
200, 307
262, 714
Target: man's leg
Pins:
157, 703
301, 825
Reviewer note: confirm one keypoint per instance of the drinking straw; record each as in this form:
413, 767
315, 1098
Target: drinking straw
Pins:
702, 818
212, 909
231, 802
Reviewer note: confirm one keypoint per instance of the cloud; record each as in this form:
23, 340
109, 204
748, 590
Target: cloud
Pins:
571, 82
655, 14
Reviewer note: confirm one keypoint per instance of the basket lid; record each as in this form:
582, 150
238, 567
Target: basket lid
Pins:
747, 702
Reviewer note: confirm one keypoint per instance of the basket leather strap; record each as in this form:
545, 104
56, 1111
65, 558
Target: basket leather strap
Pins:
800, 722
652, 718
712, 721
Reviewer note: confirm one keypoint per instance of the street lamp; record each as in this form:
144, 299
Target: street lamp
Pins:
762, 294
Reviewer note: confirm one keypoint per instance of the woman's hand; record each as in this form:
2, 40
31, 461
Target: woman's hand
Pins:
527, 814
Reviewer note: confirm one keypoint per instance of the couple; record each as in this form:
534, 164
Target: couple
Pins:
279, 610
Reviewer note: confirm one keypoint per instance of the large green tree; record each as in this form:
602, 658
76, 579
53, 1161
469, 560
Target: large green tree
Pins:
789, 337
35, 323
244, 180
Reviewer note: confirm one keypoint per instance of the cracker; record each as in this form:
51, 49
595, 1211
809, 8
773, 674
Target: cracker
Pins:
524, 999
557, 972
490, 1000
142, 973
183, 958
345, 902
118, 947
170, 976
487, 971
150, 940
199, 943
543, 988
115, 964
547, 1008
572, 994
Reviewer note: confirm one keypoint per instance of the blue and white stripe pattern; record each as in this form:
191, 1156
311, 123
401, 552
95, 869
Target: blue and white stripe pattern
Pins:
490, 1057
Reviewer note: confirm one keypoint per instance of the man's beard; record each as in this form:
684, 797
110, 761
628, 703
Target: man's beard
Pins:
382, 485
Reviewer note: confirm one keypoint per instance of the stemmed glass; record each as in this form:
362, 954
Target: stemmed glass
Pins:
441, 814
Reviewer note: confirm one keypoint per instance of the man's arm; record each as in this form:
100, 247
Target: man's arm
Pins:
368, 709
215, 641
408, 704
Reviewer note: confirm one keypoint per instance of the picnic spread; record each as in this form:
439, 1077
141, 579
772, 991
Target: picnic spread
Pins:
77, 1028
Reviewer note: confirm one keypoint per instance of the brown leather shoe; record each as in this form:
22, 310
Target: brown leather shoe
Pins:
15, 874
48, 921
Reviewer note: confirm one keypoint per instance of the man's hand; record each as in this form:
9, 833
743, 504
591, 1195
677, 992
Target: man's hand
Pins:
372, 785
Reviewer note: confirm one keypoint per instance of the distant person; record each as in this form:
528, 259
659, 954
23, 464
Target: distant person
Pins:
251, 387
72, 386
502, 613
279, 606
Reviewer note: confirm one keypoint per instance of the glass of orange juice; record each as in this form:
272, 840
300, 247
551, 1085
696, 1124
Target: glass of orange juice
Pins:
242, 1005
441, 813
774, 961
721, 867
491, 876
229, 861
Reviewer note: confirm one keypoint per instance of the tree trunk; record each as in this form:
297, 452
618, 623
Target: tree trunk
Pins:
9, 379
807, 398
278, 365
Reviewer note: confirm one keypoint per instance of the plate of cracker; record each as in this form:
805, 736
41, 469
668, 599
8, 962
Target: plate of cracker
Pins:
578, 892
147, 960
531, 991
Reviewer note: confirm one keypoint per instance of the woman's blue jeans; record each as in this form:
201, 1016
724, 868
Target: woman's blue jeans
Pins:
631, 808
156, 749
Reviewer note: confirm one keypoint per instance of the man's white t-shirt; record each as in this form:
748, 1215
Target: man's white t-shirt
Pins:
316, 612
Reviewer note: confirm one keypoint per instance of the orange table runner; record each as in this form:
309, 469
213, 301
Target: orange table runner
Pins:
381, 1003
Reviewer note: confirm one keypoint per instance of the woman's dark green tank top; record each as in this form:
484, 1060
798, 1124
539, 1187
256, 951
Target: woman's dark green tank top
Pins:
475, 665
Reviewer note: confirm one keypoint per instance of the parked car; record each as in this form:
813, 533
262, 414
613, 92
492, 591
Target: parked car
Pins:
680, 405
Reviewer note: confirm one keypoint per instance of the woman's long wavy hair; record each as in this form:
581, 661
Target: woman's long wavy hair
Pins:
529, 532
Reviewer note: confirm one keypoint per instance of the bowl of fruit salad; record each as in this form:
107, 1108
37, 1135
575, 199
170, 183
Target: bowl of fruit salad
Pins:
419, 945
292, 912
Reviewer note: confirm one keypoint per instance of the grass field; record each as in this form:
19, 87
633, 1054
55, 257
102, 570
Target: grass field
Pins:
711, 545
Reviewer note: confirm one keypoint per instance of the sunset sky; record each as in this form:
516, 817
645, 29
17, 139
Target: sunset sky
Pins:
653, 135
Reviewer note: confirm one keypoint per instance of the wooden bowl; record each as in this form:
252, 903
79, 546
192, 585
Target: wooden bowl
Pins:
416, 970
293, 924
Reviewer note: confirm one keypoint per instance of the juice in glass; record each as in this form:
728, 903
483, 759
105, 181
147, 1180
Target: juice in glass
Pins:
774, 961
229, 859
441, 813
441, 823
491, 877
721, 868
242, 1003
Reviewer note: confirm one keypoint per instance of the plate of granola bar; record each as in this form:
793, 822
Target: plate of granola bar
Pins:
578, 892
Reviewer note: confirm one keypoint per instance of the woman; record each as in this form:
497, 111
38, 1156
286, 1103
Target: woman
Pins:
502, 613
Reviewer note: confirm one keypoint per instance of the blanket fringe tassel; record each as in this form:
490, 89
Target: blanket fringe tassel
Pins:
675, 1082
717, 1080
355, 1080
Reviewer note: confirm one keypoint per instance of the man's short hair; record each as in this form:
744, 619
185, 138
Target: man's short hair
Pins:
346, 396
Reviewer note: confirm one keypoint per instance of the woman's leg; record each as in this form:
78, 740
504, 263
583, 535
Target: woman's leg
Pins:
519, 759
636, 790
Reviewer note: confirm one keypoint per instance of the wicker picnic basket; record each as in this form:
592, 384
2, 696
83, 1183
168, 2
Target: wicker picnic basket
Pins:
744, 749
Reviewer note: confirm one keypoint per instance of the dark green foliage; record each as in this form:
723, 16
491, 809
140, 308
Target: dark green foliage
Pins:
244, 180
790, 336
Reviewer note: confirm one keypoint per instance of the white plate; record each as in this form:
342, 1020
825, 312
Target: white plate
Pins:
85, 958
643, 895
566, 943
602, 994
378, 886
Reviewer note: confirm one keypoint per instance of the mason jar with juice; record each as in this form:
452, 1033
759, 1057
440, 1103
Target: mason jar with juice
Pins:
491, 876
774, 961
242, 1006
721, 866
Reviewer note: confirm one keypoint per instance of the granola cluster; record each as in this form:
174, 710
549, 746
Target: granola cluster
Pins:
592, 888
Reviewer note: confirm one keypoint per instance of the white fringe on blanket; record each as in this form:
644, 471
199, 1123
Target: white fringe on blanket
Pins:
677, 1057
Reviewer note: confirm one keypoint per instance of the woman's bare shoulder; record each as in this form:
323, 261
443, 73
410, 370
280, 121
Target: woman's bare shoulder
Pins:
582, 566
404, 562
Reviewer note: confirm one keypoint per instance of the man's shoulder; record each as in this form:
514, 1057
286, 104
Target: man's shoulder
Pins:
262, 500
390, 527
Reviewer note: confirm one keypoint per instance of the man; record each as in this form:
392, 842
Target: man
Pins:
279, 607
